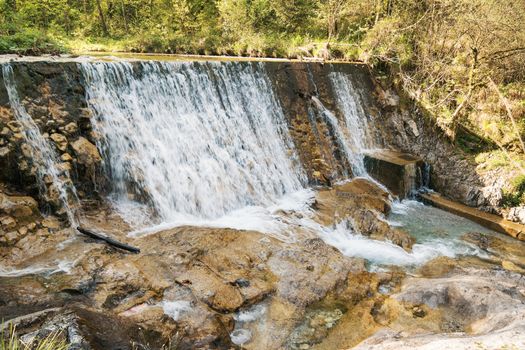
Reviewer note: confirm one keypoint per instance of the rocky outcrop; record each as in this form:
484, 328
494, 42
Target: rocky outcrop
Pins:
471, 311
195, 287
316, 142
17, 218
52, 94
453, 173
363, 206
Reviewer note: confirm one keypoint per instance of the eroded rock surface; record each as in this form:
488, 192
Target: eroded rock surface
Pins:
364, 205
458, 306
217, 272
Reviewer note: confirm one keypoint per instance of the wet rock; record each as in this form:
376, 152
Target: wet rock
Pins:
7, 222
509, 265
27, 152
418, 312
11, 237
4, 152
66, 157
86, 152
469, 307
71, 128
60, 141
50, 223
211, 290
14, 126
364, 206
18, 206
5, 132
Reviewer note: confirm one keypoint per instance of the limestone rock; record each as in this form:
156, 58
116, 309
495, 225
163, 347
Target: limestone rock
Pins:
60, 141
71, 128
86, 152
66, 157
8, 222
517, 214
4, 152
26, 150
11, 237
213, 291
18, 206
473, 310
14, 126
363, 204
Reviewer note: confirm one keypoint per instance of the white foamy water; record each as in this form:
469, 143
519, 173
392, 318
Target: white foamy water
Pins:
198, 141
176, 309
355, 135
38, 269
46, 159
437, 233
382, 252
257, 218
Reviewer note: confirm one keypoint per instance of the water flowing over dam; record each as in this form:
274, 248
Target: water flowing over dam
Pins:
225, 204
198, 140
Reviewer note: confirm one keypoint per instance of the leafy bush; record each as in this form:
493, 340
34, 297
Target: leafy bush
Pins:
29, 41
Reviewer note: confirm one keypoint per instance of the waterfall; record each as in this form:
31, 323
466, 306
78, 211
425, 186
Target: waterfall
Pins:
43, 155
356, 137
341, 136
196, 140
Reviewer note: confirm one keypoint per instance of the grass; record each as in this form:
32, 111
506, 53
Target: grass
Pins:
10, 341
257, 45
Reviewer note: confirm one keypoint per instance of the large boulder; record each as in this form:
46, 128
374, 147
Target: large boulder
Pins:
87, 153
18, 206
364, 204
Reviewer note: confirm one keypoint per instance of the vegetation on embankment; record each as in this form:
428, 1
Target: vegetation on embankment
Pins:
463, 61
9, 340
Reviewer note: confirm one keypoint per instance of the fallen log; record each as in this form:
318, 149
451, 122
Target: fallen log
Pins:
108, 240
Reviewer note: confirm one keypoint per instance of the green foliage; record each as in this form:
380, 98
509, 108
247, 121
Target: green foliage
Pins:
29, 42
455, 58
515, 196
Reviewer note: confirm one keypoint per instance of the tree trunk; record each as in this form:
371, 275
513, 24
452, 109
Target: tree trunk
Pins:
102, 19
124, 16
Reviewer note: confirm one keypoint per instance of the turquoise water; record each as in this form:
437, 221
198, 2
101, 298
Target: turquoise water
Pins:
429, 224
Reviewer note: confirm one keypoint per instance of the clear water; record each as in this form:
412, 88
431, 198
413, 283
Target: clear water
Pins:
437, 233
427, 223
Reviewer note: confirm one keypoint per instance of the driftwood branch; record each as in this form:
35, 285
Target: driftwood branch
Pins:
108, 240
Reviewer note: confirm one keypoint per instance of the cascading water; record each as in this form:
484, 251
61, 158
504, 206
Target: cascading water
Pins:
354, 159
199, 140
356, 138
45, 158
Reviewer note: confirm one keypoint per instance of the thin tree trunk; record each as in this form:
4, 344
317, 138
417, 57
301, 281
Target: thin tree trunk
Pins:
124, 16
102, 19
